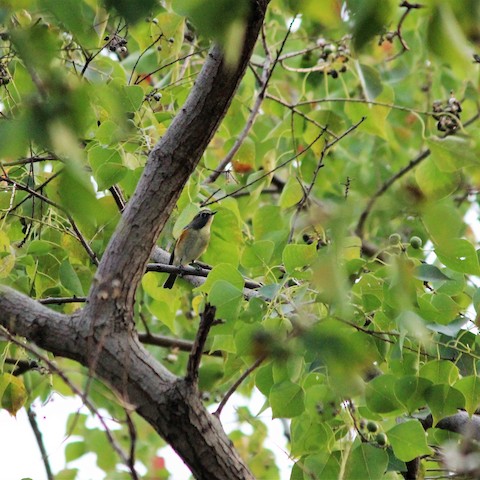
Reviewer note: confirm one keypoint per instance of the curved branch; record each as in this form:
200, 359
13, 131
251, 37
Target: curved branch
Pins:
360, 228
267, 72
169, 165
102, 336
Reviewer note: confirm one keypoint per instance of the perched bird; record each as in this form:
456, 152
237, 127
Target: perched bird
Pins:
191, 243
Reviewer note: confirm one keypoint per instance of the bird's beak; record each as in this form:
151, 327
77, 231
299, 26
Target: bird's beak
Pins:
213, 213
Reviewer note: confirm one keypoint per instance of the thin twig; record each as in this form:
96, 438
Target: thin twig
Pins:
360, 228
206, 321
320, 164
80, 237
140, 79
89, 58
54, 369
365, 101
398, 32
38, 188
83, 240
266, 174
168, 342
189, 271
141, 55
118, 197
298, 112
306, 192
239, 381
26, 161
265, 79
61, 300
132, 432
32, 419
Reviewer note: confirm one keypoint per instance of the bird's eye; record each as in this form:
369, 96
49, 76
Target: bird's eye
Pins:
205, 214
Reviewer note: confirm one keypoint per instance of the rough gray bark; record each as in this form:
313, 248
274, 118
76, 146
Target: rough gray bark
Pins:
102, 336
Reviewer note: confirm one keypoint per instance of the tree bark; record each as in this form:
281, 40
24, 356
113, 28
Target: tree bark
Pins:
102, 336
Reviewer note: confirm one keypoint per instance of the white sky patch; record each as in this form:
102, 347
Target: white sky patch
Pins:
297, 22
17, 438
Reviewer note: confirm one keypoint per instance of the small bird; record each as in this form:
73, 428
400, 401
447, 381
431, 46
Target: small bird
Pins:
191, 243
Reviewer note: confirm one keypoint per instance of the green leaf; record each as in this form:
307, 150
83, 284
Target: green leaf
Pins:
224, 343
309, 436
459, 255
451, 329
223, 272
163, 311
408, 440
226, 240
448, 309
76, 16
227, 298
429, 273
443, 401
445, 153
366, 462
297, 258
264, 379
446, 39
77, 196
286, 400
70, 280
435, 183
205, 15
75, 450
410, 391
257, 254
13, 393
269, 224
476, 300
40, 247
7, 255
291, 194
131, 97
371, 81
132, 11
470, 387
376, 115
107, 166
324, 464
380, 396
369, 19
442, 222
440, 371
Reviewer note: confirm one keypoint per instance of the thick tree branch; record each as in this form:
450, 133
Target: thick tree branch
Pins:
102, 335
170, 164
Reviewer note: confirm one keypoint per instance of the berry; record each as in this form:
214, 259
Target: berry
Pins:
415, 242
381, 439
372, 426
394, 239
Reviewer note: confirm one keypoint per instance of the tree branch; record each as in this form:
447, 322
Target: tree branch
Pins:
168, 342
169, 165
32, 419
360, 228
267, 72
102, 336
239, 381
206, 321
